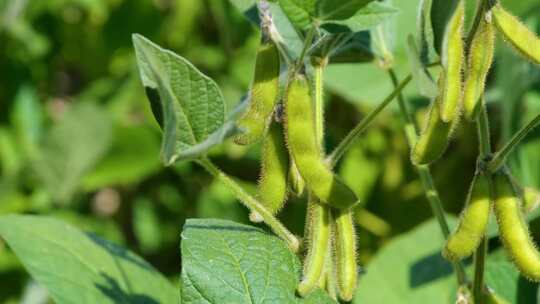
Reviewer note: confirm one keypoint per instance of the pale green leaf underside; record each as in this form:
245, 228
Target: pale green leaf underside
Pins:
225, 262
80, 268
188, 105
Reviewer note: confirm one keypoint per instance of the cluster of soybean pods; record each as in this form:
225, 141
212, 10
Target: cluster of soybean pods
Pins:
289, 123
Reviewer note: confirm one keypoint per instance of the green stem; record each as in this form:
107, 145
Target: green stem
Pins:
349, 140
499, 158
484, 142
307, 43
411, 132
252, 204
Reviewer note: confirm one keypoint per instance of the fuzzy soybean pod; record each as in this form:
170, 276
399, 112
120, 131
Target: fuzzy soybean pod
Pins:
517, 34
434, 138
345, 253
513, 229
473, 222
453, 62
263, 96
318, 238
274, 172
305, 150
478, 64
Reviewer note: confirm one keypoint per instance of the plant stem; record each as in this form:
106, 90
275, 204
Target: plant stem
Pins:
349, 140
500, 157
484, 142
411, 131
307, 43
252, 204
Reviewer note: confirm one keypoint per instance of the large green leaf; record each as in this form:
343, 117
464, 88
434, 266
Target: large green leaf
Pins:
226, 262
188, 105
81, 268
71, 148
411, 270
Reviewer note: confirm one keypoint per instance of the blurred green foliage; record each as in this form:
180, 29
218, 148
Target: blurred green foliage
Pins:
78, 140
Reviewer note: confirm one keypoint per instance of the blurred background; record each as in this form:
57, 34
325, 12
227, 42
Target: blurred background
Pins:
78, 141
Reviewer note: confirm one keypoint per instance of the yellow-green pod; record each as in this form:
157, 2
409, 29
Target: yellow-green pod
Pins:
434, 138
345, 254
453, 61
513, 229
263, 96
318, 237
473, 222
274, 171
478, 64
305, 150
531, 199
517, 34
296, 182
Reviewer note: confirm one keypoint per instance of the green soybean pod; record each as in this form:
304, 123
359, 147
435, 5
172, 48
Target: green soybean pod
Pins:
452, 61
472, 223
531, 199
272, 185
478, 64
517, 34
263, 95
345, 253
513, 229
305, 150
318, 236
434, 138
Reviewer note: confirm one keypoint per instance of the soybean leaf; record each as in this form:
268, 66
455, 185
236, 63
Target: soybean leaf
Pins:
340, 9
187, 104
357, 49
426, 85
226, 262
504, 279
284, 27
72, 148
80, 268
365, 18
300, 12
419, 275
